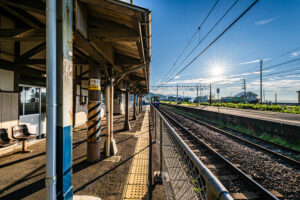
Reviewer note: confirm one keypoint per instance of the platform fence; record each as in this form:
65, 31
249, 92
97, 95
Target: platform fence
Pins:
183, 175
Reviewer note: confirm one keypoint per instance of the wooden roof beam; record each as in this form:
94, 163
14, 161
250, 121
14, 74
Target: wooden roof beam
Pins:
140, 44
121, 59
136, 77
22, 34
91, 50
31, 5
129, 71
20, 68
108, 35
43, 61
32, 52
107, 30
21, 16
106, 49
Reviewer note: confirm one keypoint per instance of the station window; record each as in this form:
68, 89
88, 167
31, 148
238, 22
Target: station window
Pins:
43, 100
32, 100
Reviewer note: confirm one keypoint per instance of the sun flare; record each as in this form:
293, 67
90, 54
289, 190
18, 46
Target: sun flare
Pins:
217, 70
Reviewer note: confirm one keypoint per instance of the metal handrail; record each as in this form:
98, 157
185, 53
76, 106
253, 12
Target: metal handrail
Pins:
213, 184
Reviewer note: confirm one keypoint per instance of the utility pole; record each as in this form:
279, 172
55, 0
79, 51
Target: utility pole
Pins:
210, 94
177, 94
197, 96
244, 87
200, 90
261, 63
275, 98
264, 93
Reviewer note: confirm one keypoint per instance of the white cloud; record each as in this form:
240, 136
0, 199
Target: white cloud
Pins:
249, 62
254, 61
265, 21
295, 53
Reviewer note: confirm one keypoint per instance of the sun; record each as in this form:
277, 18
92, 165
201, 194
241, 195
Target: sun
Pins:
217, 70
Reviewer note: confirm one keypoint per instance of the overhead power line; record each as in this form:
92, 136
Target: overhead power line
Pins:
282, 55
220, 35
190, 41
209, 13
198, 44
283, 63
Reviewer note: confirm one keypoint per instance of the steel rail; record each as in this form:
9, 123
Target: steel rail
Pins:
288, 159
264, 192
217, 187
240, 132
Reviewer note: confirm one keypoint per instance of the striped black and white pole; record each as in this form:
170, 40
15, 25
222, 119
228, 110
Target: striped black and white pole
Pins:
94, 117
94, 113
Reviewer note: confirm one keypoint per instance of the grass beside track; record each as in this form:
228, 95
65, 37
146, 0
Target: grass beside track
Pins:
272, 138
262, 107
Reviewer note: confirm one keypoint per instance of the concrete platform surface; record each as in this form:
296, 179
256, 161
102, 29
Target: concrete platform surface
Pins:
85, 197
22, 175
285, 118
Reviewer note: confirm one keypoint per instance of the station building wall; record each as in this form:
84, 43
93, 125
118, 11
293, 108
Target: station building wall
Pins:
8, 110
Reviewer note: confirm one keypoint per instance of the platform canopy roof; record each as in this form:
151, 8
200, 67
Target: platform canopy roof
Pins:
114, 33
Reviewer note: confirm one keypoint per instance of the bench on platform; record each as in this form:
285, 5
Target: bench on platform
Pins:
20, 132
5, 141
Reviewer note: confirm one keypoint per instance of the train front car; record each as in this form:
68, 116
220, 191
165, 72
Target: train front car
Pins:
155, 101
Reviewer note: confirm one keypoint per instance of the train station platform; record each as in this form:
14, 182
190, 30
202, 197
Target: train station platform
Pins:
284, 118
128, 175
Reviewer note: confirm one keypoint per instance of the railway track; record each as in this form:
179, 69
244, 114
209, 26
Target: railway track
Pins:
284, 154
238, 182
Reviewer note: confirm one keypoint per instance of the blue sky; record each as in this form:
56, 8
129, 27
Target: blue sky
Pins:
269, 30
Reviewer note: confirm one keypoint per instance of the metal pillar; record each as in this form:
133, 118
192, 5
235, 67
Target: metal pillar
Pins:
51, 99
107, 102
64, 98
141, 103
197, 96
110, 145
161, 144
177, 94
139, 108
126, 123
134, 107
210, 100
137, 105
261, 63
94, 113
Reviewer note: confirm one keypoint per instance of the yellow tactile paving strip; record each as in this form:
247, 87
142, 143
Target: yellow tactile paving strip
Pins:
136, 184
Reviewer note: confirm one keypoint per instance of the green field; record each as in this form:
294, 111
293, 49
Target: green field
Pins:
263, 107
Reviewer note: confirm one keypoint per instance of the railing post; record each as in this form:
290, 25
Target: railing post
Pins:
155, 123
161, 143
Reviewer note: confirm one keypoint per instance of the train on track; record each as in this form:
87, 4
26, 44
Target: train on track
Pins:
155, 101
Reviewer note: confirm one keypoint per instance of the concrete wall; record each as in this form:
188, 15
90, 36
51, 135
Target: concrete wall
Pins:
119, 103
9, 115
81, 113
6, 80
32, 122
288, 132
